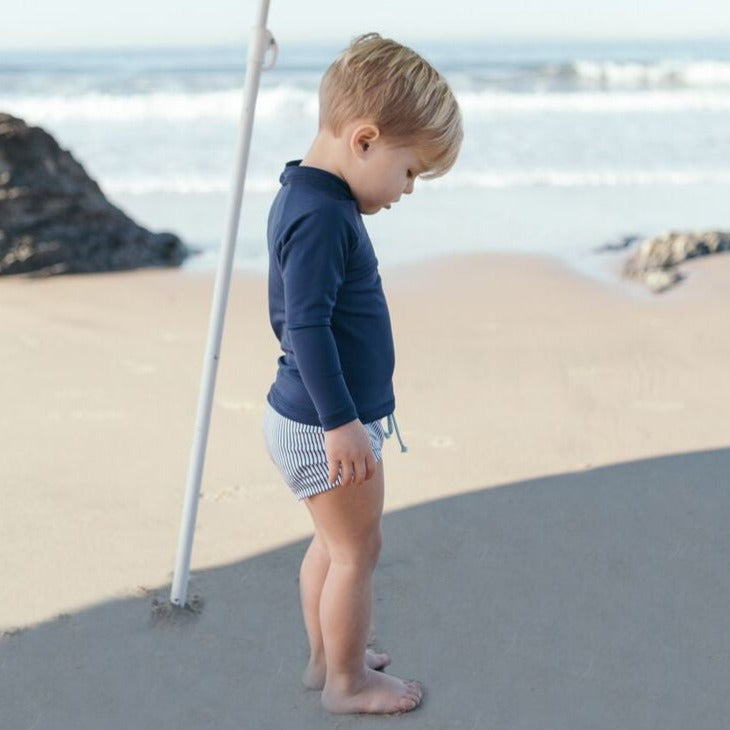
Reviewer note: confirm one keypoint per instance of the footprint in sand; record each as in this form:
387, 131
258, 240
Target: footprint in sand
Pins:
238, 491
589, 370
95, 415
239, 405
29, 340
73, 393
442, 442
139, 368
658, 406
217, 495
435, 442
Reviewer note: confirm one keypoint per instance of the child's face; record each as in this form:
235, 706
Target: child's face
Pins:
385, 174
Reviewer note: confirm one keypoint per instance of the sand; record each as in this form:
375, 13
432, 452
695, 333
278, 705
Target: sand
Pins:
556, 542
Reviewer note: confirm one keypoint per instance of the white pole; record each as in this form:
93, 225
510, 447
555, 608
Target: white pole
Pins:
261, 41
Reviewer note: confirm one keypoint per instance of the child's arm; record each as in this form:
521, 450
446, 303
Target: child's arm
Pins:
313, 258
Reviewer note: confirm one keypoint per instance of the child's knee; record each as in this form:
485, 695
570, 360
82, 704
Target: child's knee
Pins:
361, 551
376, 544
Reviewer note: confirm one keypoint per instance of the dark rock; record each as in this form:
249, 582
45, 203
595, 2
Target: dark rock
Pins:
655, 259
54, 219
619, 245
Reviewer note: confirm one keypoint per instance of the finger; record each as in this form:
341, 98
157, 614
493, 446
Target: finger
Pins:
350, 473
334, 467
369, 466
360, 471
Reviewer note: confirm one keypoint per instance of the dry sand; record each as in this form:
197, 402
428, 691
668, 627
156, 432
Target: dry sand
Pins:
556, 542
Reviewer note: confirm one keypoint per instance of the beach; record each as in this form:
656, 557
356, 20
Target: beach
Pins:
555, 537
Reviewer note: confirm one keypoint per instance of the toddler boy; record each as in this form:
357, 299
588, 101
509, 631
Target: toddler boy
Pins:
386, 117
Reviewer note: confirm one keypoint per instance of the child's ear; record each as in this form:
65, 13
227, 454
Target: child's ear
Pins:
362, 139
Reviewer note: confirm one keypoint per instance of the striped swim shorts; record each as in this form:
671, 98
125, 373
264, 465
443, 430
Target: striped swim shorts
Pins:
297, 450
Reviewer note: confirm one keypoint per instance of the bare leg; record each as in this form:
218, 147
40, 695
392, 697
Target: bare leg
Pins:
347, 519
312, 576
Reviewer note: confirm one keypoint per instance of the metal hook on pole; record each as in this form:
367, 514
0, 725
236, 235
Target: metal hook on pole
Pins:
274, 49
261, 42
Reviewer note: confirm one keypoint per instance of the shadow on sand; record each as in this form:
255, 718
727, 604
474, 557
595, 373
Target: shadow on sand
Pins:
595, 600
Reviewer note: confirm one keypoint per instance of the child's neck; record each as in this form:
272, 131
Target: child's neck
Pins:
325, 153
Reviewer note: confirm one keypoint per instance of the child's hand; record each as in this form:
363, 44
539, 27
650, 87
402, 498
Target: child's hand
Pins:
348, 446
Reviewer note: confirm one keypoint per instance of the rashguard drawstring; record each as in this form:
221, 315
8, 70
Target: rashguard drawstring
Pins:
393, 423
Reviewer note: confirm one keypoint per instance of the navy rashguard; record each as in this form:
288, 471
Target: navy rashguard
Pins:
326, 305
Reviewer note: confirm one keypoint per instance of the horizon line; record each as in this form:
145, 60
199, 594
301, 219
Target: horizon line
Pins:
441, 40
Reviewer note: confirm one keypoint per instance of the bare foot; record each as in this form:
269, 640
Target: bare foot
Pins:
315, 674
378, 693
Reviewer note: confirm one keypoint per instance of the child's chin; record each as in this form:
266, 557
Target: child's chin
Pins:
373, 209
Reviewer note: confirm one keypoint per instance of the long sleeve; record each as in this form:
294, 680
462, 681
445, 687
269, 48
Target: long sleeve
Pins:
312, 259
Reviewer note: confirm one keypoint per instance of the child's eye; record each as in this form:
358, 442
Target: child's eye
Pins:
409, 173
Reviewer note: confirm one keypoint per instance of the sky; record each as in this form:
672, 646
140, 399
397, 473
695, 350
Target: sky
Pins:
51, 24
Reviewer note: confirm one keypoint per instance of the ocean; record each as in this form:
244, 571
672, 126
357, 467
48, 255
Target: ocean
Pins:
568, 145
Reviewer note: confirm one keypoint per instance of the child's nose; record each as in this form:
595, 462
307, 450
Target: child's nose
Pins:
409, 187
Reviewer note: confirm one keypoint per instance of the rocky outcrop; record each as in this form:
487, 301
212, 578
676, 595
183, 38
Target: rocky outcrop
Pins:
655, 260
623, 243
54, 218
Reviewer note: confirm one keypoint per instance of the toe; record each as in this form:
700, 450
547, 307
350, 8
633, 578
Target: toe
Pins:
415, 688
378, 659
410, 703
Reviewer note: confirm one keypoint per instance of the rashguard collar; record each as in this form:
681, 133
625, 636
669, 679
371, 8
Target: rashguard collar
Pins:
318, 178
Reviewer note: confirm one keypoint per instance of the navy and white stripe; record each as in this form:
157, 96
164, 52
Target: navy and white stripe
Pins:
297, 450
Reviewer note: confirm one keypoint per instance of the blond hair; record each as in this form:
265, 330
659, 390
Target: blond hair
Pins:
406, 98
